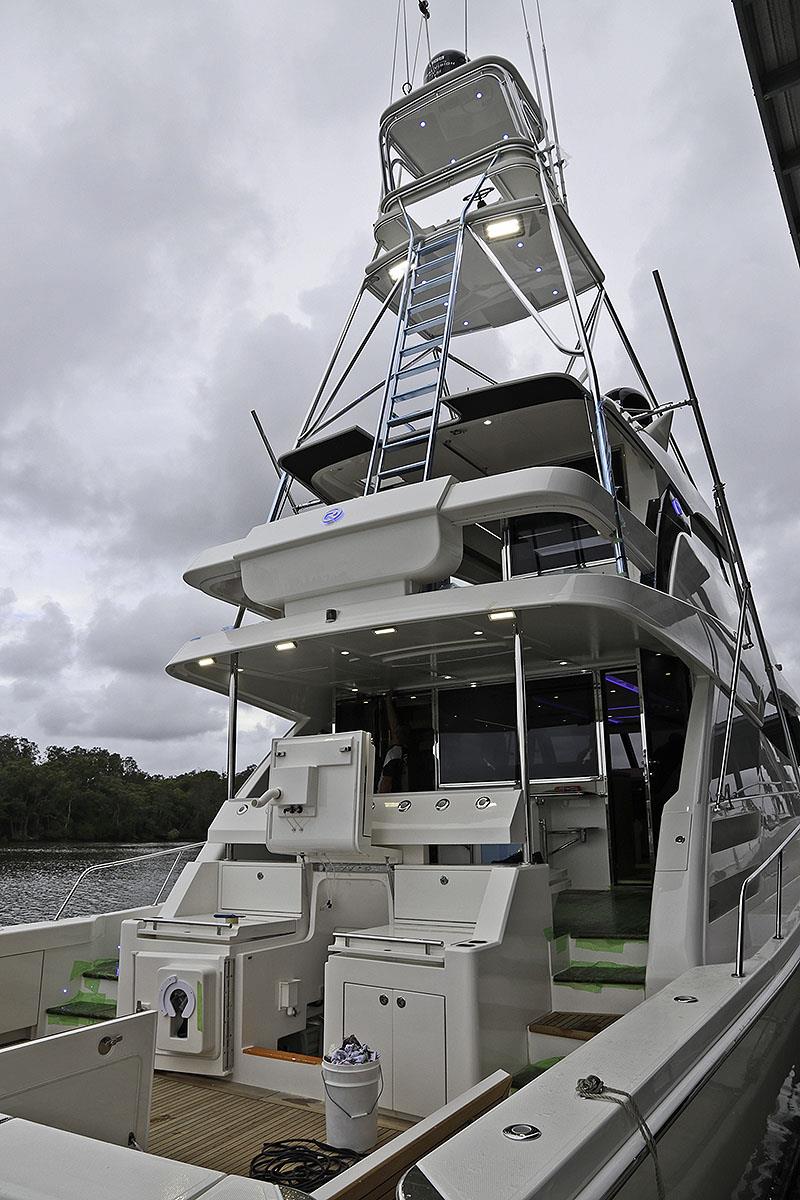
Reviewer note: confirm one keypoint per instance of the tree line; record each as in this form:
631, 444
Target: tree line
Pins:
79, 795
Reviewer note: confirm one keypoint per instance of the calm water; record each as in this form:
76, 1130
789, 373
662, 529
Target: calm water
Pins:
35, 879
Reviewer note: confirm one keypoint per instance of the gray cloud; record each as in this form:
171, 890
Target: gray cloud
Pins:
189, 189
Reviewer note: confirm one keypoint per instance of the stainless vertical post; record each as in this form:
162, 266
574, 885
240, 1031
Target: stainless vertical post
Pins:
779, 899
522, 739
737, 663
233, 717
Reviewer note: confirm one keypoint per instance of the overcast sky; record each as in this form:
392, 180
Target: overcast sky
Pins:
187, 203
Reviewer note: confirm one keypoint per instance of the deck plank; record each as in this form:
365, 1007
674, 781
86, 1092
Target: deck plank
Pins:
207, 1123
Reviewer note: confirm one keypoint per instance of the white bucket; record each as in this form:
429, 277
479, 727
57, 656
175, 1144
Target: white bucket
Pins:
352, 1092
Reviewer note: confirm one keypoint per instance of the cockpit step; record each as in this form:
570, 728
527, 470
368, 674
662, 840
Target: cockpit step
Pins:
92, 1010
578, 1026
103, 968
617, 912
602, 974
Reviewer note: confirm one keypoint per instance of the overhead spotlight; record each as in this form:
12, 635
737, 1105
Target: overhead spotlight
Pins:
206, 662
397, 271
286, 645
385, 629
503, 227
506, 614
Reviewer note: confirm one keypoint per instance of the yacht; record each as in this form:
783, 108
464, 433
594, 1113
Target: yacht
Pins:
530, 832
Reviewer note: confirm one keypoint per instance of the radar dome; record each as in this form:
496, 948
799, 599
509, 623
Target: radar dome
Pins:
444, 62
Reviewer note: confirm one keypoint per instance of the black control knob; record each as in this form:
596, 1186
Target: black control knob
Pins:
384, 1000
401, 1002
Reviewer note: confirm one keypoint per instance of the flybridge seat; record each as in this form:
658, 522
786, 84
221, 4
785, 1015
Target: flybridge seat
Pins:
334, 467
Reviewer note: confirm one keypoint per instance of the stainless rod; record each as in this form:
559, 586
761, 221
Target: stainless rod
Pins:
522, 741
779, 899
356, 355
118, 862
233, 717
520, 295
283, 483
601, 445
163, 887
776, 853
737, 662
592, 322
272, 457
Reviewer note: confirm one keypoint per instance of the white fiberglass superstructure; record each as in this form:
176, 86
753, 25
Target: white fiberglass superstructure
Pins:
536, 809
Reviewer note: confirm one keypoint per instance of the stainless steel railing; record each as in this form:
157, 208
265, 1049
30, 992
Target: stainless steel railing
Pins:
124, 862
777, 853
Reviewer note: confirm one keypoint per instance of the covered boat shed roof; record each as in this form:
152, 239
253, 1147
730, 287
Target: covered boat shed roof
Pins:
770, 33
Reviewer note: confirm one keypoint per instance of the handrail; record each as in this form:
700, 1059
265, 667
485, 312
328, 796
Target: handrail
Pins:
776, 853
124, 862
737, 663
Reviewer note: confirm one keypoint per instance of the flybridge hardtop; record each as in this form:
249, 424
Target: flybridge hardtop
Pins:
540, 771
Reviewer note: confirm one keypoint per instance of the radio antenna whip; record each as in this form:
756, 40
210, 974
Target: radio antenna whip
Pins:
559, 155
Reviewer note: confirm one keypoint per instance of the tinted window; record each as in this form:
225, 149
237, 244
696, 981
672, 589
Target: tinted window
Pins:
562, 739
477, 734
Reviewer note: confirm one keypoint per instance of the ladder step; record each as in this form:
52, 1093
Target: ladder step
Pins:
417, 416
412, 439
416, 369
424, 284
425, 324
434, 262
394, 471
426, 247
420, 391
427, 344
430, 300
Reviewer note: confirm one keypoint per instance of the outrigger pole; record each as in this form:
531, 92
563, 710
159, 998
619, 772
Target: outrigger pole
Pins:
741, 579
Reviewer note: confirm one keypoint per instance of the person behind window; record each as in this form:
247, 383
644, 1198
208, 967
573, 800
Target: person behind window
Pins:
394, 772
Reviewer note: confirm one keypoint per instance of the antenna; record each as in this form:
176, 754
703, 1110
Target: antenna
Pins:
559, 159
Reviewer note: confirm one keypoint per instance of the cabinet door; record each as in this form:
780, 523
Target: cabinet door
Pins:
368, 1013
418, 1053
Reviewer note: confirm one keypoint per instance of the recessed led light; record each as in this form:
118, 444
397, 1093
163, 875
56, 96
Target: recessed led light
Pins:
479, 95
506, 614
206, 662
286, 645
478, 632
447, 677
520, 245
564, 662
353, 689
488, 421
473, 685
422, 124
538, 270
466, 323
385, 629
505, 137
397, 271
505, 227
555, 291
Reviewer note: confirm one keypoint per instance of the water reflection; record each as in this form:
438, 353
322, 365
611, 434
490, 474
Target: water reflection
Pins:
35, 879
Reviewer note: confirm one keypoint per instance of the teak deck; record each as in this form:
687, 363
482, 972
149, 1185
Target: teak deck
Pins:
222, 1127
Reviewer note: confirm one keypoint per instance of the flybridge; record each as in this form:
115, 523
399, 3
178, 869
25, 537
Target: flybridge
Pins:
472, 234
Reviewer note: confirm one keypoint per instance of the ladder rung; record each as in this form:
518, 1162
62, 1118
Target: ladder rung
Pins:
417, 466
420, 391
426, 247
417, 416
425, 324
427, 344
434, 262
413, 439
430, 300
429, 283
415, 370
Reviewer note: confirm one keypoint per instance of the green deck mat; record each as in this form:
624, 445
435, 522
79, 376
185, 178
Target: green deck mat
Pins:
617, 912
602, 974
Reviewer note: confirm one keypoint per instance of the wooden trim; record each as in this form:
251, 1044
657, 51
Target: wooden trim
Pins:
378, 1175
283, 1055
